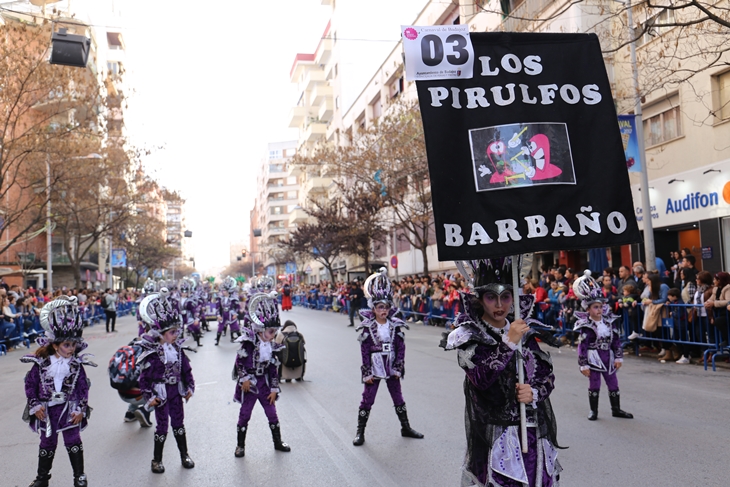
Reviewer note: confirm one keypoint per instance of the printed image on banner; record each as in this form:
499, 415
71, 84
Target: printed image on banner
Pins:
627, 126
514, 155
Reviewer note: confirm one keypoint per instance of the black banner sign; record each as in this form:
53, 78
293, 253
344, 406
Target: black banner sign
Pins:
527, 156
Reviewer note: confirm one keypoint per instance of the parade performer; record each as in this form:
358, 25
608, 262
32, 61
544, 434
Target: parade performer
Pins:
166, 378
383, 352
58, 390
190, 310
486, 342
286, 304
149, 287
256, 369
204, 300
600, 352
228, 308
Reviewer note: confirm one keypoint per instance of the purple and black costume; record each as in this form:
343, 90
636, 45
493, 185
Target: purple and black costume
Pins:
494, 455
383, 351
257, 366
58, 387
166, 376
600, 347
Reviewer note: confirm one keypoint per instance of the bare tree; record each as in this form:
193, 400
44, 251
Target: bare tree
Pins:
47, 114
322, 240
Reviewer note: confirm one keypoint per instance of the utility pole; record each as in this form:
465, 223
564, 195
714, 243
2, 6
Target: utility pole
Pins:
649, 250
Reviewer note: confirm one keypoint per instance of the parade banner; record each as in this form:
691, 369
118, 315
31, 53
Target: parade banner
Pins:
526, 156
627, 126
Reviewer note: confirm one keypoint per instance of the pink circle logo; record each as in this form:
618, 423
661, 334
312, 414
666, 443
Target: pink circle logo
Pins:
410, 33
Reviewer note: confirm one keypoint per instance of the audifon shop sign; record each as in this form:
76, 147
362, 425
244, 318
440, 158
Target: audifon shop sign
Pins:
687, 197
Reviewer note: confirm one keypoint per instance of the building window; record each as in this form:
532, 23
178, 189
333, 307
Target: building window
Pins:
276, 167
114, 39
291, 195
649, 29
377, 108
723, 98
662, 122
277, 210
114, 68
509, 6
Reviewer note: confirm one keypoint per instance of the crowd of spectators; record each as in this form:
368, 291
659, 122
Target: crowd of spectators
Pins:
21, 307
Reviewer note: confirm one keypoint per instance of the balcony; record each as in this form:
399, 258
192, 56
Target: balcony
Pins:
315, 185
294, 170
326, 110
312, 79
324, 51
297, 216
297, 115
314, 131
278, 231
320, 93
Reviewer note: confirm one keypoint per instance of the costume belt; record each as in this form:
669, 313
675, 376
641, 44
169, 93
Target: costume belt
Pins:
386, 347
600, 346
170, 380
58, 397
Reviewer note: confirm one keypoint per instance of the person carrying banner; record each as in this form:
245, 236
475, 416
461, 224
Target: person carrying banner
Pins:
486, 342
383, 353
600, 352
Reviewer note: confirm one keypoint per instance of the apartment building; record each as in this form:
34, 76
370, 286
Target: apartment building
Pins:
276, 199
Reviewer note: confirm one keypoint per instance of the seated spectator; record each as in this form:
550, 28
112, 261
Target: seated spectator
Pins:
7, 325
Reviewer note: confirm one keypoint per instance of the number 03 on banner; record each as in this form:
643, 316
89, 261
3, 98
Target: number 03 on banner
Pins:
438, 52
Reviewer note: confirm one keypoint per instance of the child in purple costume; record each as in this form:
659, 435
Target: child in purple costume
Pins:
486, 342
383, 351
600, 352
256, 370
58, 390
167, 377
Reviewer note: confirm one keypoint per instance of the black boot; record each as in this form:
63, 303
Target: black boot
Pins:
197, 340
45, 462
241, 446
217, 338
76, 455
405, 427
157, 466
593, 401
182, 445
276, 436
616, 412
362, 421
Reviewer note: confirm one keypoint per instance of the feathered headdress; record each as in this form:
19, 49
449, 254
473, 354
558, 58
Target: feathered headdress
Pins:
229, 284
159, 312
377, 288
61, 320
588, 290
263, 309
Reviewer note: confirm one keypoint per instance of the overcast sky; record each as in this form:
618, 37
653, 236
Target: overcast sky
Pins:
211, 86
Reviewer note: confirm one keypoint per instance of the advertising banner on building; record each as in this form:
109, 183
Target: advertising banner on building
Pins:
526, 155
119, 257
627, 126
687, 197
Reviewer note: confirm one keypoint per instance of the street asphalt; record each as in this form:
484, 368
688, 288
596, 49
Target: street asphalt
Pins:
678, 437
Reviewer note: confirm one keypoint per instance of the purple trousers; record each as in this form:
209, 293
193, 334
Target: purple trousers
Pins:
249, 400
71, 436
172, 409
371, 390
595, 377
193, 329
233, 324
